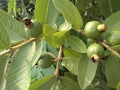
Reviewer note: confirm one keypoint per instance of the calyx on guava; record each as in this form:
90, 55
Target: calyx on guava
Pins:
32, 28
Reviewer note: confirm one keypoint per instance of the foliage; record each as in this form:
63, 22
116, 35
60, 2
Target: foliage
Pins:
62, 23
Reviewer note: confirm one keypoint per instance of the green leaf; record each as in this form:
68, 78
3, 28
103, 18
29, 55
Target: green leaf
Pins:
112, 23
3, 68
45, 12
61, 37
19, 74
71, 63
68, 84
65, 7
77, 44
48, 30
14, 28
112, 70
86, 71
118, 87
37, 52
68, 52
43, 84
12, 5
4, 37
116, 47
65, 26
48, 33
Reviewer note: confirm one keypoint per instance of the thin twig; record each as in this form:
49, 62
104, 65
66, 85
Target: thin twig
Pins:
110, 49
56, 74
17, 46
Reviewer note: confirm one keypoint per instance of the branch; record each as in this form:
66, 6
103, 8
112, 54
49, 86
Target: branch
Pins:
56, 74
110, 49
17, 46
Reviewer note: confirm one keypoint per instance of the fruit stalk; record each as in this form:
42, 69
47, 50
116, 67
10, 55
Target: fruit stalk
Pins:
56, 74
110, 49
17, 46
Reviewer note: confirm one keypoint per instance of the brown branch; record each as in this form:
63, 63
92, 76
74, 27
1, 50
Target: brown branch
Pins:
13, 48
56, 74
110, 49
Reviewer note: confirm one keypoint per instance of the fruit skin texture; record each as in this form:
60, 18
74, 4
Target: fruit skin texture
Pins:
35, 30
95, 49
113, 38
46, 60
91, 30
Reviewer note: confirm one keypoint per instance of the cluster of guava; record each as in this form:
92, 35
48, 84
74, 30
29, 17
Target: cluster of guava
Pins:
94, 30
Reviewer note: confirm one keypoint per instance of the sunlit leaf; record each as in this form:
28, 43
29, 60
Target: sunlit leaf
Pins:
118, 87
12, 5
61, 37
65, 7
48, 32
45, 12
14, 28
19, 74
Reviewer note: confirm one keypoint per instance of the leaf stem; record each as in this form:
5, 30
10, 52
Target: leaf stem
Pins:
56, 74
110, 49
13, 48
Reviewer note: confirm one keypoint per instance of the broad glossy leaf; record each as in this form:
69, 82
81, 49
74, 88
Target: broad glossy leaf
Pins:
68, 52
3, 68
19, 74
112, 23
86, 71
43, 84
4, 37
77, 44
14, 28
45, 12
112, 70
71, 63
37, 52
68, 84
65, 7
48, 32
61, 37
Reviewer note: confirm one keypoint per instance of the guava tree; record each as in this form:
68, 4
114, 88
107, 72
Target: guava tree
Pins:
60, 45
